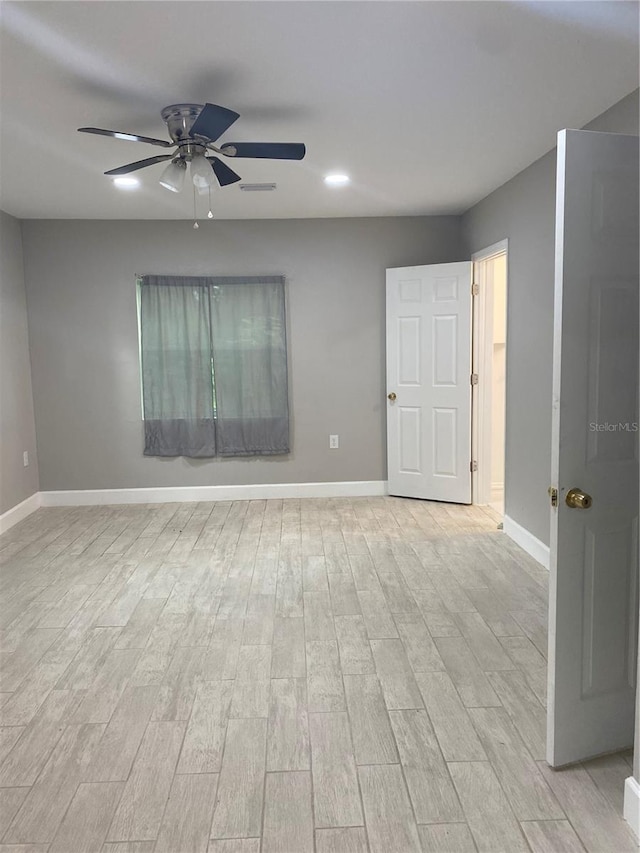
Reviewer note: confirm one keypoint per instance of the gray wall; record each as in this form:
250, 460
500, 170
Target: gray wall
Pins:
17, 427
523, 210
84, 344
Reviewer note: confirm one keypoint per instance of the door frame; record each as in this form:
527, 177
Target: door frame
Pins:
482, 350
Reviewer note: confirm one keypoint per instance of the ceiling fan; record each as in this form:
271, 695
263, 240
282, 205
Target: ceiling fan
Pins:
194, 129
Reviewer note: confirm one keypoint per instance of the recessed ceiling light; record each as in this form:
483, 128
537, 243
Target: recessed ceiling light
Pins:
337, 180
124, 182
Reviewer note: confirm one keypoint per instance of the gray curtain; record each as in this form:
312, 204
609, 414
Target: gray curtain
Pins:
214, 366
250, 366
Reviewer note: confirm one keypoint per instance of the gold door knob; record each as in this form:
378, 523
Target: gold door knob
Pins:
577, 499
392, 396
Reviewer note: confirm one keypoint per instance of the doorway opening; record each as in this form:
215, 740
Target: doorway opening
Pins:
490, 371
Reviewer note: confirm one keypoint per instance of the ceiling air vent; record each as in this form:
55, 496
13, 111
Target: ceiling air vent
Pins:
257, 188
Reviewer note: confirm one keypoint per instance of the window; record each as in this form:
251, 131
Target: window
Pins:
214, 366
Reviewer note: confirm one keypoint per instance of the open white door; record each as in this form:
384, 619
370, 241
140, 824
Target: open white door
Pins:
429, 381
593, 590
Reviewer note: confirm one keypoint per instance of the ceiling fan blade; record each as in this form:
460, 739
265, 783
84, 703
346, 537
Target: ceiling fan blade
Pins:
268, 150
213, 121
223, 173
139, 164
131, 137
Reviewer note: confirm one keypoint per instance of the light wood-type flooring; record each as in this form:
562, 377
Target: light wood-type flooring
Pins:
335, 675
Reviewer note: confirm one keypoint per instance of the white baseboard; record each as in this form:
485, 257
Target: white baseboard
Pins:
632, 805
19, 512
527, 541
101, 497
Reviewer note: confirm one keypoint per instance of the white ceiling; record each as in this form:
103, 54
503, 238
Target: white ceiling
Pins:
429, 106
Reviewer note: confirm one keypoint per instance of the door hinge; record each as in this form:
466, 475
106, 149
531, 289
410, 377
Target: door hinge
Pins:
474, 378
475, 289
553, 494
473, 466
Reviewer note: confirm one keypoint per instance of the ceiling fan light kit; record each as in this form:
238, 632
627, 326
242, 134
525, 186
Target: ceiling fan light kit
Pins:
173, 176
194, 129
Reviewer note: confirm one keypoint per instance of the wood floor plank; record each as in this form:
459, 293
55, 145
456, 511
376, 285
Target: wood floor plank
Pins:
259, 621
609, 773
86, 823
363, 571
373, 740
335, 783
46, 803
111, 679
353, 646
551, 836
254, 663
221, 660
454, 598
324, 679
206, 730
158, 653
180, 684
10, 801
81, 671
140, 624
318, 616
387, 810
288, 731
523, 653
139, 814
528, 793
376, 614
344, 598
490, 654
289, 601
15, 666
22, 706
238, 811
288, 659
492, 823
234, 845
430, 789
250, 699
534, 626
187, 817
470, 681
447, 838
314, 569
592, 816
30, 753
396, 676
345, 840
523, 707
455, 732
438, 620
397, 594
8, 737
288, 818
119, 744
419, 646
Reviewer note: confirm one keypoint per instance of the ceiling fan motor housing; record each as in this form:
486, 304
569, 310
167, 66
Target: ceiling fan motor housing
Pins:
179, 119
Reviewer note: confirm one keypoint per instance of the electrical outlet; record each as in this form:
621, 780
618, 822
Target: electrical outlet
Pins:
25, 459
334, 442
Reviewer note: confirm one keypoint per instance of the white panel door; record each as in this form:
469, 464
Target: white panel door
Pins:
429, 381
594, 550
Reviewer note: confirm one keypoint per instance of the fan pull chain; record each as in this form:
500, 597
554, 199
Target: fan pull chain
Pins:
210, 214
195, 217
